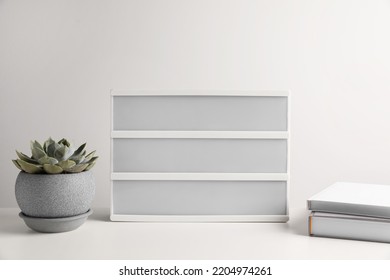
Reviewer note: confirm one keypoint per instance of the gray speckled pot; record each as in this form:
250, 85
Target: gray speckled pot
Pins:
53, 225
55, 196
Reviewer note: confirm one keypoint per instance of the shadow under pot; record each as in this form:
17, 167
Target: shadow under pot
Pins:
55, 199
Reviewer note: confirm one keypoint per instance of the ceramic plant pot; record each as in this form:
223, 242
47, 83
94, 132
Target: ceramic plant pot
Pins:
54, 225
50, 196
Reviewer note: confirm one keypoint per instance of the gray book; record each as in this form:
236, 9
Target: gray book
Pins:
354, 199
349, 227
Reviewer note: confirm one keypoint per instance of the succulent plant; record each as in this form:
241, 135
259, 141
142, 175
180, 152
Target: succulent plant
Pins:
55, 157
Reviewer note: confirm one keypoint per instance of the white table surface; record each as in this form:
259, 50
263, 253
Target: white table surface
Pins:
100, 238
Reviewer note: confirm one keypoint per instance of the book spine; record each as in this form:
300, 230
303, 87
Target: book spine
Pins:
310, 225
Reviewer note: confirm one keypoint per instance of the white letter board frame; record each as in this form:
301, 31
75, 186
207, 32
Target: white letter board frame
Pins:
200, 176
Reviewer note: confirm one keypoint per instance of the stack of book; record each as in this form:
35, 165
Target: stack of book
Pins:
351, 211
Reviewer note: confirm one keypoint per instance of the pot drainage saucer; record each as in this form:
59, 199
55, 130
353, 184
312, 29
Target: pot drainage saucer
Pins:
52, 225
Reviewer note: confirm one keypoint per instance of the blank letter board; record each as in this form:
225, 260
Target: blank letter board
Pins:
199, 156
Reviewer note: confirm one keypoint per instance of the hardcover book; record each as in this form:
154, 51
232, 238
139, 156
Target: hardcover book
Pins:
349, 227
354, 199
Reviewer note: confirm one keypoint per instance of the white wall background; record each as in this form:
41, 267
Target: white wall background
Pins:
58, 60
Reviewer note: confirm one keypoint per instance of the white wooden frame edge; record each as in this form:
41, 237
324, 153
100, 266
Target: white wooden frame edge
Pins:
271, 93
200, 134
139, 176
199, 218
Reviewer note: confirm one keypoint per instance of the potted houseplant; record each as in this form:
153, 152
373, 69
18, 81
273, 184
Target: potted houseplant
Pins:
55, 186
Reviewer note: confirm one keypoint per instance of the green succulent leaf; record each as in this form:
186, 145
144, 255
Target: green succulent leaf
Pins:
62, 153
17, 164
26, 158
35, 144
47, 144
92, 160
65, 142
38, 153
51, 148
90, 155
77, 168
47, 160
90, 166
78, 158
52, 169
67, 164
79, 150
29, 168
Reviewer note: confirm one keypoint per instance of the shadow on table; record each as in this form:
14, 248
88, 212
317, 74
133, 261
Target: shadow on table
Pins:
299, 225
101, 215
12, 224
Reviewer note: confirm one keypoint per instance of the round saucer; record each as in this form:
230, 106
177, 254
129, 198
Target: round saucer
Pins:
53, 225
